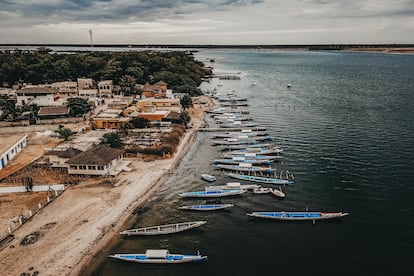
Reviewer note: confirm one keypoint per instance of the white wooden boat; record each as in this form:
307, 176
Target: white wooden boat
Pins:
208, 177
159, 256
163, 229
290, 216
253, 155
244, 167
237, 124
244, 146
232, 186
260, 179
258, 151
206, 207
236, 160
278, 193
213, 193
262, 190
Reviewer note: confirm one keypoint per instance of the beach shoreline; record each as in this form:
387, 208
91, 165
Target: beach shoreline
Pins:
84, 221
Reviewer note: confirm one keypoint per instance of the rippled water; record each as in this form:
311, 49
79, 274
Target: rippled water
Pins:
346, 127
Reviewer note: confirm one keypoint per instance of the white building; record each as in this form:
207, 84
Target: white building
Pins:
105, 88
41, 96
10, 146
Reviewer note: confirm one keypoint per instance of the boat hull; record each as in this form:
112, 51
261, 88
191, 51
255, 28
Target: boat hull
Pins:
170, 259
259, 179
207, 207
297, 216
210, 194
163, 229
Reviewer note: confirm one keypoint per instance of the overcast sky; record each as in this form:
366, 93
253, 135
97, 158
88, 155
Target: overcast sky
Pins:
207, 21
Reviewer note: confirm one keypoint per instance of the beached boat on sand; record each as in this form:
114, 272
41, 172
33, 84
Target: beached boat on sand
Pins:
213, 193
206, 207
159, 256
290, 216
163, 229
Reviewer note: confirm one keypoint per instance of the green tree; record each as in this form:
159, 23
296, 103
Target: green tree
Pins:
185, 117
64, 133
186, 101
112, 139
127, 84
78, 106
140, 122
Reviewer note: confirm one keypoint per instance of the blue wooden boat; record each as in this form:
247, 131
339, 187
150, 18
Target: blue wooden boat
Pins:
159, 256
290, 216
260, 179
244, 146
213, 193
206, 207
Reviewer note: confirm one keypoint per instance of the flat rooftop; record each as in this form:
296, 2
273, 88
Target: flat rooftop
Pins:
7, 141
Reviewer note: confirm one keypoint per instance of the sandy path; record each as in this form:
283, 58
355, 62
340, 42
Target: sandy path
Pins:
82, 221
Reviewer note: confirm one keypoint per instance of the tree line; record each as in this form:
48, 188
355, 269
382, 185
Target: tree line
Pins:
177, 68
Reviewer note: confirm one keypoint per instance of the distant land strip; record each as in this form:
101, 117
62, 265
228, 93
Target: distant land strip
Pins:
233, 46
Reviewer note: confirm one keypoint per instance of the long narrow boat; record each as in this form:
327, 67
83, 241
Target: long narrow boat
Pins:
236, 134
237, 124
206, 207
159, 256
163, 229
232, 186
244, 167
253, 156
260, 179
297, 215
258, 151
244, 146
213, 193
237, 161
241, 140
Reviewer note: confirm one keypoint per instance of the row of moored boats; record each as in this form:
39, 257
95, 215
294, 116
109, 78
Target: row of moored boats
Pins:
248, 157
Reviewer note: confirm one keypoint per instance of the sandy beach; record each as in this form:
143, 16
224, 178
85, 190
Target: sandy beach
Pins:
85, 218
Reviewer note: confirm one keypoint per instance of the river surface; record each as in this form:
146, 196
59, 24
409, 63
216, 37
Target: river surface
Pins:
346, 127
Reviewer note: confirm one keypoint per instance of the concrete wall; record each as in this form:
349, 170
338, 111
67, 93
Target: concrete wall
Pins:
9, 154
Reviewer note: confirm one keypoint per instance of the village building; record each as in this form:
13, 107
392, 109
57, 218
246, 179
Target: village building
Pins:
41, 96
66, 88
173, 105
58, 158
10, 146
52, 112
110, 119
120, 102
105, 88
157, 90
87, 88
152, 115
100, 160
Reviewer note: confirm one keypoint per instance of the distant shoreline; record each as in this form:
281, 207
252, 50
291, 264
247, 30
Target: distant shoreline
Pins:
308, 47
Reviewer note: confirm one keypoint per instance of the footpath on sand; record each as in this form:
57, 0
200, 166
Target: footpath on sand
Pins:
71, 231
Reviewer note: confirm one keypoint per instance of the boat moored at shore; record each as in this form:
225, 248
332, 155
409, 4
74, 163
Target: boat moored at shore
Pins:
163, 229
159, 256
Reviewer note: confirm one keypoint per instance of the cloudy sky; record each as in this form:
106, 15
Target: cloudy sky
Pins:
207, 21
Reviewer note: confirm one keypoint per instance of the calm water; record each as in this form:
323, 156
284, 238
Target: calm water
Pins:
346, 126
